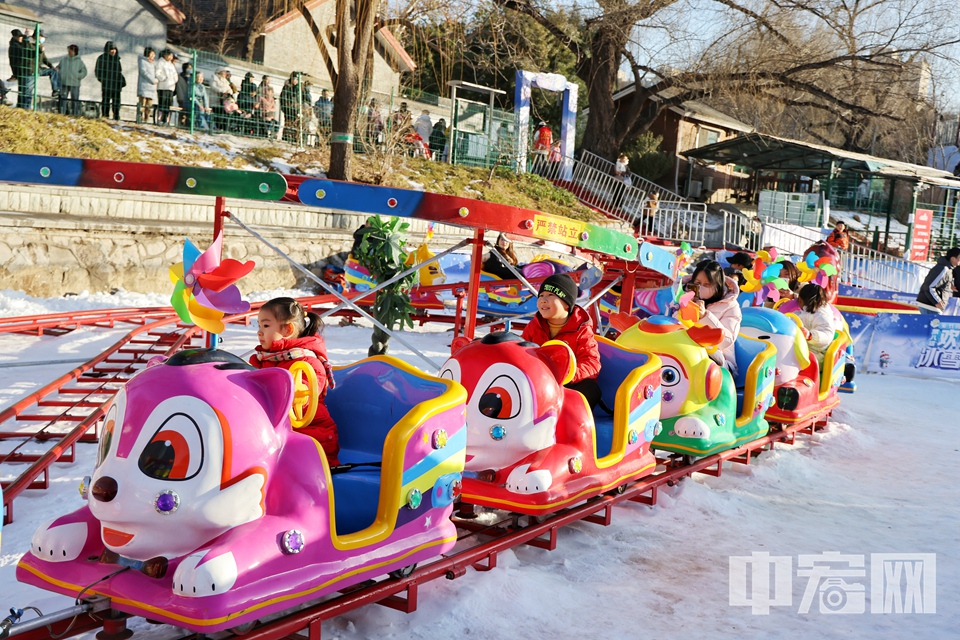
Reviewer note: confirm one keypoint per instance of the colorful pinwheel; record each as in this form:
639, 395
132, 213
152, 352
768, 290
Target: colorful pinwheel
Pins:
817, 269
205, 288
688, 313
765, 278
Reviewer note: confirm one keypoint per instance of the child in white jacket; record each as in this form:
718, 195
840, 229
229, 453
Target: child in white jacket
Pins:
818, 319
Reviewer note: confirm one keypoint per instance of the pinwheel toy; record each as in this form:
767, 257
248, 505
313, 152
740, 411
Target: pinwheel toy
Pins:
204, 288
688, 312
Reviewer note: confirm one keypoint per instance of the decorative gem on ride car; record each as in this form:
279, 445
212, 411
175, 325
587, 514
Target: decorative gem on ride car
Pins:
576, 464
167, 502
293, 541
720, 419
439, 439
414, 498
633, 436
498, 432
84, 487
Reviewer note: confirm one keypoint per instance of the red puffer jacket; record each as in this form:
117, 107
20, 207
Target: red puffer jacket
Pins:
323, 429
578, 333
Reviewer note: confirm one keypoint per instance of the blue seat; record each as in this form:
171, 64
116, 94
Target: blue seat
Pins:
604, 425
616, 363
367, 402
746, 352
356, 495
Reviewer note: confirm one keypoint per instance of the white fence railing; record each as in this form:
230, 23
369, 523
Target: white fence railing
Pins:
741, 232
872, 269
859, 266
671, 220
605, 166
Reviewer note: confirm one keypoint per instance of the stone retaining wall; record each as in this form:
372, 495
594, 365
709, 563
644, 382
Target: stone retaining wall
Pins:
56, 240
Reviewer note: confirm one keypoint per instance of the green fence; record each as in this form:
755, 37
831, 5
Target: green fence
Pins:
243, 98
483, 136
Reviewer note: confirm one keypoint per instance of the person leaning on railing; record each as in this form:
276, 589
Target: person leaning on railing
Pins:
22, 62
166, 84
839, 238
146, 83
182, 90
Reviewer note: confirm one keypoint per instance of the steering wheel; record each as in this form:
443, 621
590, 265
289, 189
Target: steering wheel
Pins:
306, 394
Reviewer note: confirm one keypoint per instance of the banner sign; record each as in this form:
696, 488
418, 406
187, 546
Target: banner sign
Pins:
922, 224
925, 345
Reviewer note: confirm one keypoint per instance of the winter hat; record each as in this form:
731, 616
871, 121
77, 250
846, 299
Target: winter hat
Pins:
562, 286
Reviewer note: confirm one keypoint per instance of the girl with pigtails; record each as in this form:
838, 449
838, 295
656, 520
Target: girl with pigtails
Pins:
288, 334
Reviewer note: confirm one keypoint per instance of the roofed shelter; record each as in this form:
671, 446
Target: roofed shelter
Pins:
773, 157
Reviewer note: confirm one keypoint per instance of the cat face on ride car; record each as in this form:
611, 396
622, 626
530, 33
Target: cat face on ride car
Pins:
168, 476
514, 397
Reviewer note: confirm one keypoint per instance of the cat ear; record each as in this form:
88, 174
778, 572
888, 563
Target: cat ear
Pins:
273, 389
558, 356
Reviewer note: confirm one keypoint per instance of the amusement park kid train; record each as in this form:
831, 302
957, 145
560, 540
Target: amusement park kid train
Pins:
209, 510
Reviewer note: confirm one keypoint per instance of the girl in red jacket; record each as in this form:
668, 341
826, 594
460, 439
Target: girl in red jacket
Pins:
559, 318
289, 334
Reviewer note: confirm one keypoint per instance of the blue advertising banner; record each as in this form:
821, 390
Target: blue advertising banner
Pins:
925, 345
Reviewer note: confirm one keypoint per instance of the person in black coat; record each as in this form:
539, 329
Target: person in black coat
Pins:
438, 140
110, 74
22, 62
939, 285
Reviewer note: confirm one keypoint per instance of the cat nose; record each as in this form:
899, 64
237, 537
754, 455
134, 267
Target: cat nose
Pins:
105, 489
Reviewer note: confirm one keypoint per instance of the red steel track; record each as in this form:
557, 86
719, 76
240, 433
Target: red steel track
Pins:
47, 424
59, 323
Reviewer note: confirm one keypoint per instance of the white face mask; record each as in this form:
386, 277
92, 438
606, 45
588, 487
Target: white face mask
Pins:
42, 40
707, 292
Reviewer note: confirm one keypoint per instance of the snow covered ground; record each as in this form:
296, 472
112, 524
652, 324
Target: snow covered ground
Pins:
882, 480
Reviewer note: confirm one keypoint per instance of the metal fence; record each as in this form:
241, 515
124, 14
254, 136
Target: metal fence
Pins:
674, 221
96, 84
483, 136
860, 266
864, 267
741, 232
606, 166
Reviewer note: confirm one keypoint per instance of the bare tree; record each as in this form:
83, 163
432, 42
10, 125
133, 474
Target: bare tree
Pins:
791, 51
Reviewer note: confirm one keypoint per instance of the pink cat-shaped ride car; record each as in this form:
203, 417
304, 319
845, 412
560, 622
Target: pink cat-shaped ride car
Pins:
224, 514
